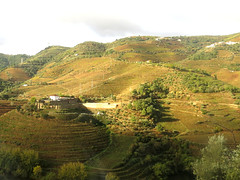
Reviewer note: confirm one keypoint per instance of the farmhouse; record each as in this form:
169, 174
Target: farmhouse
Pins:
57, 102
66, 102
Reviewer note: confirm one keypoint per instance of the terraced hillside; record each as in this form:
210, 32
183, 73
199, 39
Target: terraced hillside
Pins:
14, 74
225, 65
95, 77
56, 141
6, 106
37, 62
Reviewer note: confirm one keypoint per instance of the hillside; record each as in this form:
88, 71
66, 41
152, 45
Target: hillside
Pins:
115, 74
96, 68
35, 63
11, 60
57, 141
183, 87
14, 74
95, 76
224, 63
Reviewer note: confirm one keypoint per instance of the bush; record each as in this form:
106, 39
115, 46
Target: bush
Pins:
37, 172
72, 171
50, 176
162, 171
19, 163
159, 128
111, 176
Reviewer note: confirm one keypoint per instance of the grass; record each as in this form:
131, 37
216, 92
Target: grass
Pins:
14, 74
114, 154
196, 126
94, 77
56, 141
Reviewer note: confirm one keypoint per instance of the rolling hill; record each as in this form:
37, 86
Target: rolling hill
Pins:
201, 75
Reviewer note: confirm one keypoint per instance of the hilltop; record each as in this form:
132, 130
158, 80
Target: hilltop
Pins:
97, 68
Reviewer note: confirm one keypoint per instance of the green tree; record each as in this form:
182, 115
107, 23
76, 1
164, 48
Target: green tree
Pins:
72, 171
161, 170
214, 161
37, 172
111, 176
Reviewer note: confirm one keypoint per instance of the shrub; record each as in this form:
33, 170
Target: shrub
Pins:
111, 176
162, 171
37, 172
159, 128
18, 162
72, 171
50, 176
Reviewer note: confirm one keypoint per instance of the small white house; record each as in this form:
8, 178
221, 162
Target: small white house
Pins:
231, 43
54, 98
211, 46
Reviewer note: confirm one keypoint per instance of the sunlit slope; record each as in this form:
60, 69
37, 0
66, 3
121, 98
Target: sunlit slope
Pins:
32, 65
14, 74
149, 48
95, 76
233, 37
225, 66
56, 141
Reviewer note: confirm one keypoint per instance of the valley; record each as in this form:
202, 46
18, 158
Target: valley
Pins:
172, 93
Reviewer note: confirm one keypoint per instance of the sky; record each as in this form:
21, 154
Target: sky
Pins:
29, 26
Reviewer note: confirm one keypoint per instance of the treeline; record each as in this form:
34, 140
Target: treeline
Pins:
27, 164
37, 62
233, 67
11, 60
159, 158
204, 55
32, 67
5, 88
205, 84
89, 49
235, 48
184, 69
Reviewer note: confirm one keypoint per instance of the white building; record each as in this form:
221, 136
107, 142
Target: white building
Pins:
231, 43
54, 98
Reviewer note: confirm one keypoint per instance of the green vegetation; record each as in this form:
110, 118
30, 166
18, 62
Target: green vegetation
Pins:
136, 140
5, 85
204, 55
17, 162
217, 161
72, 171
195, 43
37, 62
235, 48
11, 60
157, 158
146, 98
204, 84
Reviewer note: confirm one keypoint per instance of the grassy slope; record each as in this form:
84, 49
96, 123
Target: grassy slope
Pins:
14, 74
222, 66
95, 76
56, 141
101, 76
114, 154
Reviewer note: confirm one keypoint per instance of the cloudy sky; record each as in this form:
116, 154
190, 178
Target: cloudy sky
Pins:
28, 26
